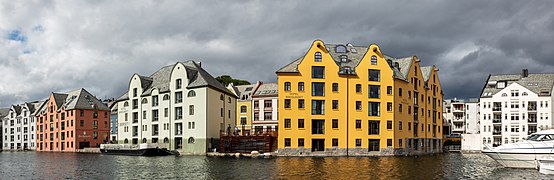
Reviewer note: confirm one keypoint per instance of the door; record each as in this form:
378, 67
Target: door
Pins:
318, 145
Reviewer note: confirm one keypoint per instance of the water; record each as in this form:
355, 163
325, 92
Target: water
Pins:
32, 165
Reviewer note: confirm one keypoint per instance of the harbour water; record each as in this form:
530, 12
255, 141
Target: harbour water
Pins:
33, 165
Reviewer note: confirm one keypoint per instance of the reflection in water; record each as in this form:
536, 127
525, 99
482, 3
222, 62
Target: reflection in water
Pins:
32, 165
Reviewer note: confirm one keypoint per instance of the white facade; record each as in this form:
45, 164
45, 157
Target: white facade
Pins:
19, 128
168, 108
513, 113
265, 114
463, 116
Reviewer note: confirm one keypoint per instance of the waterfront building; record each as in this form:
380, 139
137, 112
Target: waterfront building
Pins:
514, 106
354, 100
71, 121
180, 106
113, 122
3, 113
265, 113
463, 115
19, 127
244, 106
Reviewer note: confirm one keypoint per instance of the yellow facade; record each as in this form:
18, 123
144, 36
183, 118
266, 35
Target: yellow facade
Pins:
244, 118
348, 129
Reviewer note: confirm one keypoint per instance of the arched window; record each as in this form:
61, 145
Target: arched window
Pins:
144, 101
317, 57
126, 141
191, 140
166, 140
374, 60
340, 49
524, 94
343, 58
287, 86
126, 104
191, 94
178, 84
301, 86
504, 94
221, 97
166, 97
143, 140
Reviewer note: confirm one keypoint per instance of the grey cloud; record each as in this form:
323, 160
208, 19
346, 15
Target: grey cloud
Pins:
98, 45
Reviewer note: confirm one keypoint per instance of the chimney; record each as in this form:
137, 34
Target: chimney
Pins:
524, 73
199, 63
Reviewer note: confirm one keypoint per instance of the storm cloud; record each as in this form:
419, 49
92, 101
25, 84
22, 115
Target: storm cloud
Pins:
57, 46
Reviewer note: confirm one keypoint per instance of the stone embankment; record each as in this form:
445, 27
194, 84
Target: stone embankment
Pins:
253, 154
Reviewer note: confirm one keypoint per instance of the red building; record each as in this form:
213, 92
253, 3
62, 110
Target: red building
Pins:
71, 121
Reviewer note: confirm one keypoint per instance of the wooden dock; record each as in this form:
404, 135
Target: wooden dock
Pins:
263, 142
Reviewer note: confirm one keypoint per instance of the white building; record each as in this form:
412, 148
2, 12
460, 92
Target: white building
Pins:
462, 115
19, 127
265, 108
181, 106
514, 106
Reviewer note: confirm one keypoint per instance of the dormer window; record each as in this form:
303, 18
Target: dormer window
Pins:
347, 70
317, 57
340, 49
500, 85
504, 94
343, 58
373, 60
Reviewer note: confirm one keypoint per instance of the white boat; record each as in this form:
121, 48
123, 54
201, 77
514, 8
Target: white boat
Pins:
546, 165
523, 154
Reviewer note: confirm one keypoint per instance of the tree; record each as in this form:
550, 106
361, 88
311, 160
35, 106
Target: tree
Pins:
226, 80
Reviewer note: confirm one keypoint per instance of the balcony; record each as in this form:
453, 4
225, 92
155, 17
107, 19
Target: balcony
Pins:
532, 108
497, 121
458, 119
497, 109
532, 120
496, 133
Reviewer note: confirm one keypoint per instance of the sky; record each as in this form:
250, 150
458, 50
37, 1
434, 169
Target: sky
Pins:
58, 46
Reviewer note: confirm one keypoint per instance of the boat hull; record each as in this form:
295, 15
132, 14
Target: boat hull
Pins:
546, 166
517, 160
137, 152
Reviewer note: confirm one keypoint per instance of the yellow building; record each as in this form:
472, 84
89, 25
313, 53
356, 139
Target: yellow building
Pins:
353, 100
244, 106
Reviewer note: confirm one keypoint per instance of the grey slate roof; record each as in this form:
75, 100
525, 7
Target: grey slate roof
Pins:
267, 89
77, 99
4, 112
426, 72
197, 76
540, 84
245, 90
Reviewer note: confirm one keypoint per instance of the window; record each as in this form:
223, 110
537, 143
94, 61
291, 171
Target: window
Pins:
374, 144
515, 93
155, 100
178, 97
358, 88
318, 107
191, 109
166, 97
287, 123
373, 60
358, 124
335, 104
166, 112
318, 89
343, 58
144, 101
243, 121
126, 104
358, 105
178, 84
301, 86
287, 86
178, 128
318, 72
191, 94
400, 108
373, 127
389, 124
373, 108
135, 104
243, 109
335, 87
318, 126
301, 104
300, 123
374, 91
317, 57
400, 125
389, 90
81, 123
374, 75
287, 142
389, 142
335, 142
400, 92
340, 49
287, 103
190, 140
143, 114
300, 142
178, 113
335, 123
135, 92
155, 115
358, 142
389, 106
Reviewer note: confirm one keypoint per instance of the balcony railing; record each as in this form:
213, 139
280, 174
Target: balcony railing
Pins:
532, 108
497, 109
532, 120
497, 133
497, 121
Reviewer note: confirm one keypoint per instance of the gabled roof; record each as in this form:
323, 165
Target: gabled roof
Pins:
17, 109
540, 84
196, 75
77, 99
404, 65
426, 72
59, 99
267, 89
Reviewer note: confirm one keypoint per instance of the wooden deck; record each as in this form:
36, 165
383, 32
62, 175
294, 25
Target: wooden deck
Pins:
262, 142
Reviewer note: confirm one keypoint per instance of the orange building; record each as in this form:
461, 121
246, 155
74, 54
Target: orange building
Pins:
71, 121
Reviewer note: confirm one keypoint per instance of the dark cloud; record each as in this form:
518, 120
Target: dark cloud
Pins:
99, 45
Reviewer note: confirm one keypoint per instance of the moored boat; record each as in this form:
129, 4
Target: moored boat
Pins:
523, 154
143, 149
